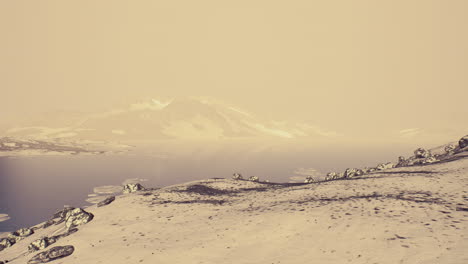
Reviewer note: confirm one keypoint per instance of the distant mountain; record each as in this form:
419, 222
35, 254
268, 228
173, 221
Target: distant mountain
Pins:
180, 118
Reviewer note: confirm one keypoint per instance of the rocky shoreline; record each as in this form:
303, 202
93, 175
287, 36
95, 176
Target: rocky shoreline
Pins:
423, 199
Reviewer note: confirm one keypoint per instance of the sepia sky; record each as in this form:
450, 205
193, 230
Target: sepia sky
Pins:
358, 67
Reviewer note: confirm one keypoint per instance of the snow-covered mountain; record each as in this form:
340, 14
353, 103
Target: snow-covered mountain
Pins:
181, 118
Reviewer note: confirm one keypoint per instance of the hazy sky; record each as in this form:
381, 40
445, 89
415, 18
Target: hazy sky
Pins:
346, 65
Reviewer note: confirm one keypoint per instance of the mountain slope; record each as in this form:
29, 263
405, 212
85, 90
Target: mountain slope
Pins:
181, 118
403, 215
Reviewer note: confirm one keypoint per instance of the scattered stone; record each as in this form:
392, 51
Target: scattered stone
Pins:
463, 142
106, 201
254, 179
52, 254
421, 153
237, 176
77, 217
133, 187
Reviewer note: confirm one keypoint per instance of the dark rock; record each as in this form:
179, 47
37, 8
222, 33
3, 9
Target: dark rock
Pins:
254, 179
77, 217
6, 242
106, 201
41, 243
237, 176
463, 142
52, 254
48, 223
133, 187
349, 173
421, 153
20, 234
62, 214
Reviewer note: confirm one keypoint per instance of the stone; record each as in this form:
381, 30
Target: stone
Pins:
429, 160
309, 179
62, 214
6, 243
450, 149
77, 217
254, 178
52, 254
20, 234
463, 142
41, 243
421, 153
385, 166
349, 173
330, 176
133, 187
237, 176
106, 201
402, 162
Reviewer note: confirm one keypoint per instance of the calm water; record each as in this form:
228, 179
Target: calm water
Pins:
33, 188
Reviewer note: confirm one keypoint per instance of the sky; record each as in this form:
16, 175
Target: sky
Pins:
360, 67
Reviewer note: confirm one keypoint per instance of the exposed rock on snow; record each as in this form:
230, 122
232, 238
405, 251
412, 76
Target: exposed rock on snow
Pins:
41, 243
463, 142
77, 217
133, 187
385, 166
52, 254
237, 176
421, 153
254, 179
106, 201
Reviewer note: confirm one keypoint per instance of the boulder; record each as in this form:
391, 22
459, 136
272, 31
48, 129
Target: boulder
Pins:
463, 142
237, 176
309, 179
6, 243
330, 176
254, 179
421, 153
402, 162
106, 201
450, 149
385, 166
133, 187
429, 160
61, 215
77, 217
41, 243
349, 173
20, 234
52, 254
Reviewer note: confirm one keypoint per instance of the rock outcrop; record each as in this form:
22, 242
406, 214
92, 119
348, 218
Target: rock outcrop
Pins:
77, 217
133, 187
309, 179
6, 242
41, 243
106, 201
254, 179
463, 142
385, 166
52, 254
237, 176
421, 153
